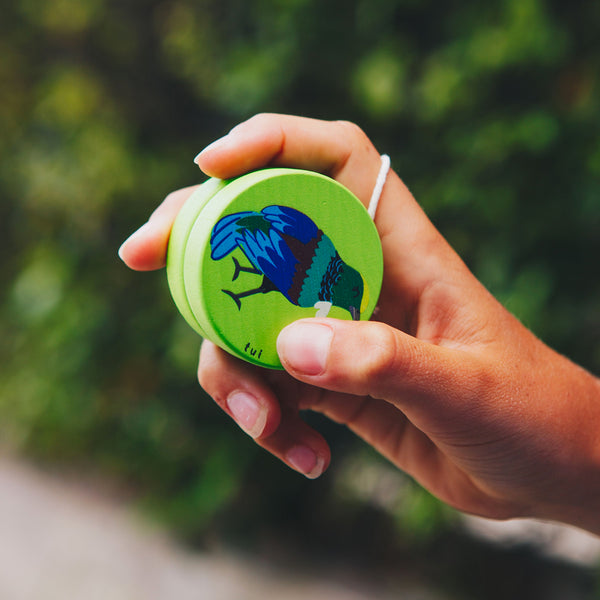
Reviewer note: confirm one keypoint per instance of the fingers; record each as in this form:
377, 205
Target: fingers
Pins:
337, 148
428, 383
239, 390
146, 248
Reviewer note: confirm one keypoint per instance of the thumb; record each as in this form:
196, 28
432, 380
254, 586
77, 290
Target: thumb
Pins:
373, 359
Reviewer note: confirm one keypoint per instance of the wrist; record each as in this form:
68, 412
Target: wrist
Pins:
575, 499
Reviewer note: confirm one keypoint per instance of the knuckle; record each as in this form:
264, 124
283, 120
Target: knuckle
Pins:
381, 357
208, 370
204, 379
351, 131
171, 196
171, 199
258, 120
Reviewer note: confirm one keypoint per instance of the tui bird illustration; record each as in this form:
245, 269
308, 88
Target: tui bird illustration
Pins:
294, 257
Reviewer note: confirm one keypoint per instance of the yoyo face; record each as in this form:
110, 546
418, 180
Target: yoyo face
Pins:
248, 256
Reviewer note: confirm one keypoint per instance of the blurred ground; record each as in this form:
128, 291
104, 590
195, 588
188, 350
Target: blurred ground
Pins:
61, 539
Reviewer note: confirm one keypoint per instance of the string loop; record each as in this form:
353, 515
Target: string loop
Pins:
381, 177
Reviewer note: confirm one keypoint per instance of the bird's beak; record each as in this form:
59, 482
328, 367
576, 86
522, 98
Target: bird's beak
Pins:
355, 314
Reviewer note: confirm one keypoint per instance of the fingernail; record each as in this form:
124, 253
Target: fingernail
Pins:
247, 412
305, 460
305, 346
220, 142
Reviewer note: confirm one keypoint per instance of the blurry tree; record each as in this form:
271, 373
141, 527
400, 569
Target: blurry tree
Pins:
489, 111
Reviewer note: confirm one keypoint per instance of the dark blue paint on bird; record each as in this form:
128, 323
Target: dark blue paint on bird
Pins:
292, 254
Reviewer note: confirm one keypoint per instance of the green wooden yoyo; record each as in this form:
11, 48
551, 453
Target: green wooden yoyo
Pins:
250, 255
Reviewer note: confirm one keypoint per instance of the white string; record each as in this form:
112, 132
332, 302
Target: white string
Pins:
381, 177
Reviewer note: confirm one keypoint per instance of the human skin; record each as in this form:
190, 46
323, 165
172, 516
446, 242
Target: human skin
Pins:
444, 382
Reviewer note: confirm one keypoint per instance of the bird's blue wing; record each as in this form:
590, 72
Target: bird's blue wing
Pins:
226, 235
263, 246
272, 256
291, 222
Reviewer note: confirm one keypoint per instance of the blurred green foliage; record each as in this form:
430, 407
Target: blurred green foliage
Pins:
490, 112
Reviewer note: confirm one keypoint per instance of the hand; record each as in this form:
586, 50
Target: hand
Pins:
446, 383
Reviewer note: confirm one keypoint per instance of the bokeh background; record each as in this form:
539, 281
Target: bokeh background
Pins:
490, 113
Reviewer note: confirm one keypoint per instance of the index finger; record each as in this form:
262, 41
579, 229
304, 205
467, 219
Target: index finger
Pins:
336, 148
